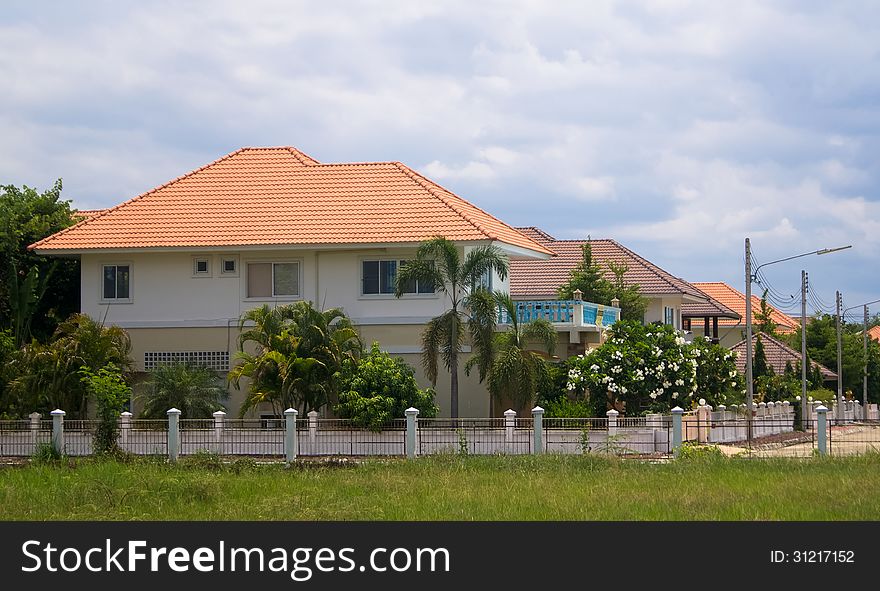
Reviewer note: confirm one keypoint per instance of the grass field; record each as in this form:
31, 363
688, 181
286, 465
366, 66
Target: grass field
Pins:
446, 488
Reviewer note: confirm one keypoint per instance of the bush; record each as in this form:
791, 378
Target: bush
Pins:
379, 388
566, 408
694, 452
194, 390
111, 393
46, 453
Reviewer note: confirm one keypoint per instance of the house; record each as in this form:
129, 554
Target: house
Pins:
178, 265
732, 330
533, 280
874, 333
778, 354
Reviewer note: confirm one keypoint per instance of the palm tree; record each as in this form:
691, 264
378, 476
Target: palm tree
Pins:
192, 389
300, 351
515, 371
439, 262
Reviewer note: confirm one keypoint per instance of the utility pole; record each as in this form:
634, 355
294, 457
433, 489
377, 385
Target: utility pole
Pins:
750, 391
840, 414
804, 416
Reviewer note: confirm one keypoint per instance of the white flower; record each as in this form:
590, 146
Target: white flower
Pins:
733, 385
679, 341
675, 394
653, 395
623, 389
697, 352
594, 367
732, 374
679, 382
666, 384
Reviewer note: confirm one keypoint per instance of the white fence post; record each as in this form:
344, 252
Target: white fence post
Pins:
313, 426
58, 430
219, 418
290, 434
676, 429
612, 422
173, 434
124, 426
509, 423
722, 410
35, 425
538, 418
412, 418
821, 434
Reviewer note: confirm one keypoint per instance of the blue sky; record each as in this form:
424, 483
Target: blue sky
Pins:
678, 128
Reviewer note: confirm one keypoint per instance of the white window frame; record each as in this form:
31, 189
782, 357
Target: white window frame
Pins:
387, 296
223, 271
273, 262
130, 298
195, 260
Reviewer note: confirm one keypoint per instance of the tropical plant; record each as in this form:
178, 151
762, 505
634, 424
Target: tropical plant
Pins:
36, 292
379, 388
589, 278
470, 310
46, 377
194, 390
111, 394
298, 358
764, 317
515, 371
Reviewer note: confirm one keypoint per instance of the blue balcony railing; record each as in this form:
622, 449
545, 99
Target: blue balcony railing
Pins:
562, 312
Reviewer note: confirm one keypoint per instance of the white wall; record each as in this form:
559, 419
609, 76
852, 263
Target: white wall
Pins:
654, 313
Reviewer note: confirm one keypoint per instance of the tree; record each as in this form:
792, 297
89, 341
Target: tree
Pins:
515, 371
379, 388
194, 390
589, 277
299, 354
760, 367
764, 317
46, 377
438, 262
37, 293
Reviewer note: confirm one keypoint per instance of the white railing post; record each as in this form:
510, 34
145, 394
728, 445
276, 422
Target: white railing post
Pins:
313, 426
612, 422
290, 434
538, 419
676, 429
821, 433
35, 425
771, 416
173, 434
124, 426
412, 418
58, 430
723, 430
219, 419
704, 421
509, 424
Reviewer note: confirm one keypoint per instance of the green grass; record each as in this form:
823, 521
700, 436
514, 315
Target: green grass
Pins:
446, 488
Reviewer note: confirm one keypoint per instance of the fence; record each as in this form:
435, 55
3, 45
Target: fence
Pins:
771, 431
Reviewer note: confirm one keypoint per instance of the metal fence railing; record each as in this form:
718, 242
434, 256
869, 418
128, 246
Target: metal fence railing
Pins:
339, 437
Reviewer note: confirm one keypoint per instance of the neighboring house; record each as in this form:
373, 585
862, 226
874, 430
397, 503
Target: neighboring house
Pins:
178, 265
874, 333
778, 354
535, 280
733, 330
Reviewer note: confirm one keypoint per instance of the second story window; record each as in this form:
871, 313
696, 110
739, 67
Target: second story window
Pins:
269, 280
117, 282
379, 277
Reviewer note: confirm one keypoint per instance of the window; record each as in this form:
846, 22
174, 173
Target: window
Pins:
669, 316
201, 267
380, 277
229, 266
117, 282
269, 280
484, 282
216, 360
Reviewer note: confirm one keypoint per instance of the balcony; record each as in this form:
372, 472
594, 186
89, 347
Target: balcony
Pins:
568, 313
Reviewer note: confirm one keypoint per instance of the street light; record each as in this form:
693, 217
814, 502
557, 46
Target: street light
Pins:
752, 276
865, 345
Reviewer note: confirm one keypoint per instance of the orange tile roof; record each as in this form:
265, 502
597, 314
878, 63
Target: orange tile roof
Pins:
88, 213
874, 333
540, 279
736, 301
777, 354
280, 196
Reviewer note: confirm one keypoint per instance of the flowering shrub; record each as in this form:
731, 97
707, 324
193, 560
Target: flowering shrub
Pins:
641, 369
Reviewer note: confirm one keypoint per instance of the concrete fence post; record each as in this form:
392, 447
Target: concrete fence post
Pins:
35, 425
173, 434
722, 410
821, 433
290, 447
412, 418
124, 426
612, 422
58, 430
509, 424
676, 429
313, 426
538, 418
219, 419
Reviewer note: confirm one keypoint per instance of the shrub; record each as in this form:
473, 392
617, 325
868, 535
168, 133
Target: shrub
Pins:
379, 388
565, 408
46, 453
192, 389
111, 393
694, 452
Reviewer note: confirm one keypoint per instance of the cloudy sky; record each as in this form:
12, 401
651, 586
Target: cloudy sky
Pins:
677, 128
